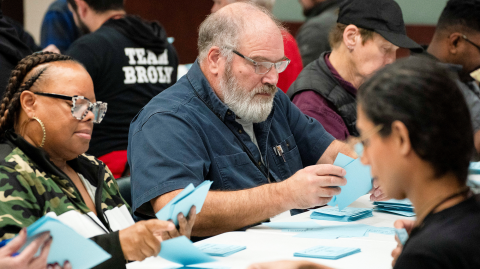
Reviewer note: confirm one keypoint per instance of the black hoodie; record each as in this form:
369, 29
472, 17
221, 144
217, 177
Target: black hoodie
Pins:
130, 61
12, 50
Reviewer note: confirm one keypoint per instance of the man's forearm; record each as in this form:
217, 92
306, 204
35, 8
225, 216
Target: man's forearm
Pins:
225, 211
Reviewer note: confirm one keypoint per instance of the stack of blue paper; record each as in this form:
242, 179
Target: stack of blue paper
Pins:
190, 196
398, 207
324, 252
345, 215
220, 250
67, 245
359, 181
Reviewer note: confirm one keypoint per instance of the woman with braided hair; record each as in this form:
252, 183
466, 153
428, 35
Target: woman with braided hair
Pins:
46, 122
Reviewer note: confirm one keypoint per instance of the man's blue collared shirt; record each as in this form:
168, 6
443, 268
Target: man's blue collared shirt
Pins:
176, 139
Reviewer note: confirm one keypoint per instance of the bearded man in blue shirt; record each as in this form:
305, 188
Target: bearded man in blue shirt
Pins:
227, 122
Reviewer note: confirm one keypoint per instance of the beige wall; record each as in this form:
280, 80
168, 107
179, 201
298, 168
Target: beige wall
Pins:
33, 16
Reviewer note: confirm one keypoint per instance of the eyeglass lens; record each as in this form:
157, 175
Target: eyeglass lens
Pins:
264, 67
82, 106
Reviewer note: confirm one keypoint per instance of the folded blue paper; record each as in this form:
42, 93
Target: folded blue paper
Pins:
325, 252
221, 250
345, 215
402, 235
190, 196
359, 181
67, 245
182, 251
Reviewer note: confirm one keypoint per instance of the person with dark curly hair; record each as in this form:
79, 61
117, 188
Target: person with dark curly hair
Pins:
46, 122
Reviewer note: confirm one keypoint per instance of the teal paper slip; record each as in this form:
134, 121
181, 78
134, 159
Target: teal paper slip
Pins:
326, 252
346, 215
359, 181
402, 235
67, 245
182, 251
474, 168
190, 196
221, 250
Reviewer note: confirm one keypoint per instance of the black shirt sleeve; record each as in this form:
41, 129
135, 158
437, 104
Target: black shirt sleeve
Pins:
111, 244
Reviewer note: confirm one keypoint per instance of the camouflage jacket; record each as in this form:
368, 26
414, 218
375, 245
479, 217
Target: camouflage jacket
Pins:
32, 186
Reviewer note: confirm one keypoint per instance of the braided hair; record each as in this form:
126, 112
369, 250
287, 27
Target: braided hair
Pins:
11, 99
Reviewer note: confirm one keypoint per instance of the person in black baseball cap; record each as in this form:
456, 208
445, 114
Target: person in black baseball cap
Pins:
365, 39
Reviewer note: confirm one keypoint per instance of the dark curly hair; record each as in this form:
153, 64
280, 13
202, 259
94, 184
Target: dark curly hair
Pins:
9, 108
424, 96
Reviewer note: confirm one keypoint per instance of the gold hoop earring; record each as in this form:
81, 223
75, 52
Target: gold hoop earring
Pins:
43, 129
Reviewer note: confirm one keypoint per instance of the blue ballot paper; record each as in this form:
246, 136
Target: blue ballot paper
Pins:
221, 250
474, 168
326, 252
398, 207
402, 235
345, 215
190, 196
182, 251
67, 245
359, 181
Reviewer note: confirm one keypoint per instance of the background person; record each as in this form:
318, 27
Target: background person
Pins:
456, 43
312, 37
365, 38
130, 61
46, 122
58, 26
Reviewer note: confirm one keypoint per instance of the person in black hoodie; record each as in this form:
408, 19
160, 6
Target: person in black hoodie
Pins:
130, 61
12, 50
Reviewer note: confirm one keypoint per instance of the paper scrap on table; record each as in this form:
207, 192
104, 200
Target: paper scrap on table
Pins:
182, 251
67, 244
221, 250
190, 196
345, 231
346, 215
326, 252
359, 181
402, 235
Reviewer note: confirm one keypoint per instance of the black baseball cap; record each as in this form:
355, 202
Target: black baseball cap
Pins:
381, 16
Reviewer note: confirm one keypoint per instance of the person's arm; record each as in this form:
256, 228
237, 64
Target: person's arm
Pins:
225, 211
58, 29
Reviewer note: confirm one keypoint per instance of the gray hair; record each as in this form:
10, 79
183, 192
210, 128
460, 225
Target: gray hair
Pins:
224, 29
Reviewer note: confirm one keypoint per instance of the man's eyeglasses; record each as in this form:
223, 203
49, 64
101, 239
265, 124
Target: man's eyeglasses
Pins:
469, 41
81, 106
262, 68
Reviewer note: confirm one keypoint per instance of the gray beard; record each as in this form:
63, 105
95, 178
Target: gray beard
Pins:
246, 105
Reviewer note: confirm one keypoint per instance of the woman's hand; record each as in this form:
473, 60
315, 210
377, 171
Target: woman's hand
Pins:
139, 241
26, 259
401, 224
185, 225
287, 265
376, 192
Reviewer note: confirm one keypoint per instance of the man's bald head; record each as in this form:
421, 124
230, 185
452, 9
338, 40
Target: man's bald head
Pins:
228, 27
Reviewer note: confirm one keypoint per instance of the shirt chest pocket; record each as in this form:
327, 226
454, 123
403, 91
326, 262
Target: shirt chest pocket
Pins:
238, 172
286, 156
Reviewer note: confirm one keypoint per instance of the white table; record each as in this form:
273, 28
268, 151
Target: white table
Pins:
265, 244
